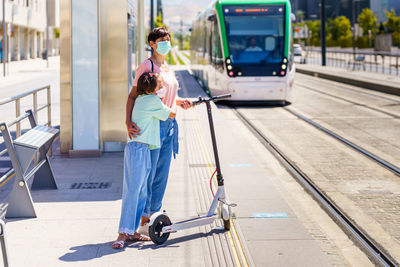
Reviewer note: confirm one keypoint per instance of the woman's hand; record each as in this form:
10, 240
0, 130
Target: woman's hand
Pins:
185, 104
133, 130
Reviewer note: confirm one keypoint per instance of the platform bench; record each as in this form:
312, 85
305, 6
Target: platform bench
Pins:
23, 151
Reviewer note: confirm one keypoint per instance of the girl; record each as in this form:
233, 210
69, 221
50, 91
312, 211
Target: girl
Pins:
146, 114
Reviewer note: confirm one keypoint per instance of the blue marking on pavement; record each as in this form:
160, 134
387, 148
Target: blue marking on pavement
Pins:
240, 165
267, 215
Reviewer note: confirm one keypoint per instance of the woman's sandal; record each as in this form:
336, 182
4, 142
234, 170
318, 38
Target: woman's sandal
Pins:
138, 237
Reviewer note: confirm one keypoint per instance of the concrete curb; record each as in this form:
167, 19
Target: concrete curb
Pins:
376, 86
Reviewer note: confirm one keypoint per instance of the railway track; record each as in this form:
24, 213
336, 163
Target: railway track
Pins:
375, 158
396, 116
368, 245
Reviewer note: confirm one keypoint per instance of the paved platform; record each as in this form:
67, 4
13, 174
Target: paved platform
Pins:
275, 223
369, 80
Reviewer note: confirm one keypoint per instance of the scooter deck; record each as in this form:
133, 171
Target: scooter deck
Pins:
195, 218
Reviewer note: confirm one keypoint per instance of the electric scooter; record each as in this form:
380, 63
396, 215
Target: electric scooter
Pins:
160, 225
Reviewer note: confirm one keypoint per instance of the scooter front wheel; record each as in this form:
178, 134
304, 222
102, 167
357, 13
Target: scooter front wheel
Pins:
226, 215
155, 230
227, 224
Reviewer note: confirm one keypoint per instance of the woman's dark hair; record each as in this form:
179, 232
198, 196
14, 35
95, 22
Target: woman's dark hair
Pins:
157, 33
147, 83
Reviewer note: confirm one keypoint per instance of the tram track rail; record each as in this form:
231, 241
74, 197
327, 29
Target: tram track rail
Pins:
373, 157
374, 251
396, 116
351, 88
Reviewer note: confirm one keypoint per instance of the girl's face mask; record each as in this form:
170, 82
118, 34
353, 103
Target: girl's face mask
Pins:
163, 47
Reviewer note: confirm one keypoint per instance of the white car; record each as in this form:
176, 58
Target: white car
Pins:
298, 54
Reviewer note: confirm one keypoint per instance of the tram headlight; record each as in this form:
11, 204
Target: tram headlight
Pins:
284, 67
231, 73
283, 73
285, 60
228, 61
229, 67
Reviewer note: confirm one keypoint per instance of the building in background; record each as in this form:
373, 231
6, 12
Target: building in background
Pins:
379, 7
54, 27
334, 8
26, 27
100, 44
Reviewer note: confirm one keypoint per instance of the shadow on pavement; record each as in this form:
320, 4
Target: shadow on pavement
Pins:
93, 251
171, 242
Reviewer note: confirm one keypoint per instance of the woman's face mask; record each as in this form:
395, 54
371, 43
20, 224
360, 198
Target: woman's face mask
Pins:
163, 47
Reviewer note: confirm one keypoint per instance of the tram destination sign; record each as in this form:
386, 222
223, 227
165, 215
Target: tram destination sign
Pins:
254, 10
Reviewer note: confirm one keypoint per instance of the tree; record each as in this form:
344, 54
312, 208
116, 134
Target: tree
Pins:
367, 20
339, 31
393, 26
315, 28
158, 22
300, 15
393, 22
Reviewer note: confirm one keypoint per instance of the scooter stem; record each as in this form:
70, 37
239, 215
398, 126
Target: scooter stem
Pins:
220, 179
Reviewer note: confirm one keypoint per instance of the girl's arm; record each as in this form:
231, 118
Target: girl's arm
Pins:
133, 130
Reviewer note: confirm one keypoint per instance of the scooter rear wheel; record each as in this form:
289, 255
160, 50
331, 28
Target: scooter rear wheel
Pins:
155, 229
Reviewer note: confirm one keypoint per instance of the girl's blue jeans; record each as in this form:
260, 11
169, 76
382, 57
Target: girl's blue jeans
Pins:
160, 163
137, 166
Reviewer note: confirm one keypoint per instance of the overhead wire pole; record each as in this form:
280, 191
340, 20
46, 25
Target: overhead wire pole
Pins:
151, 14
4, 42
323, 33
354, 30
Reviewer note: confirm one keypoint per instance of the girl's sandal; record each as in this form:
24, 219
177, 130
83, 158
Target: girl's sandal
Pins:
118, 244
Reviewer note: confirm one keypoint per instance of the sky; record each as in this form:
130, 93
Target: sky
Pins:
175, 10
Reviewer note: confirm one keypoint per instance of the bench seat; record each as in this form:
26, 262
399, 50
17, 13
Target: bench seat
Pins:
36, 137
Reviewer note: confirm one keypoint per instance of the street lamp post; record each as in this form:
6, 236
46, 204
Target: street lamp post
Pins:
323, 33
354, 30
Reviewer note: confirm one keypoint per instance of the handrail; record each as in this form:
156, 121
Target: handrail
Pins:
374, 61
19, 117
359, 52
16, 120
13, 98
17, 100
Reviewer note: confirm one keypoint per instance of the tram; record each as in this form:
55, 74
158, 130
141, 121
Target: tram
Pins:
245, 48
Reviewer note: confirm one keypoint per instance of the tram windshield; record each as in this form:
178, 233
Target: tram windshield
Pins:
256, 38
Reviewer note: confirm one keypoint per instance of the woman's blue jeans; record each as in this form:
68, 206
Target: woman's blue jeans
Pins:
160, 163
137, 164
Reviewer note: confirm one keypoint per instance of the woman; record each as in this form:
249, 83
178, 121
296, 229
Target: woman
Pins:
159, 41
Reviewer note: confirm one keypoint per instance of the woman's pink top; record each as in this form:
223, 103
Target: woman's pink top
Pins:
169, 87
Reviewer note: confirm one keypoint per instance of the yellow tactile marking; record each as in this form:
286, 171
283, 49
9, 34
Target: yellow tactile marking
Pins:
235, 235
6, 180
236, 249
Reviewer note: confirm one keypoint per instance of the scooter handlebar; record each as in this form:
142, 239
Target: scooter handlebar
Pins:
213, 98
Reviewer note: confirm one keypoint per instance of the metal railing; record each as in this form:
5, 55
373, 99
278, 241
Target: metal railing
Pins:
373, 61
19, 117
